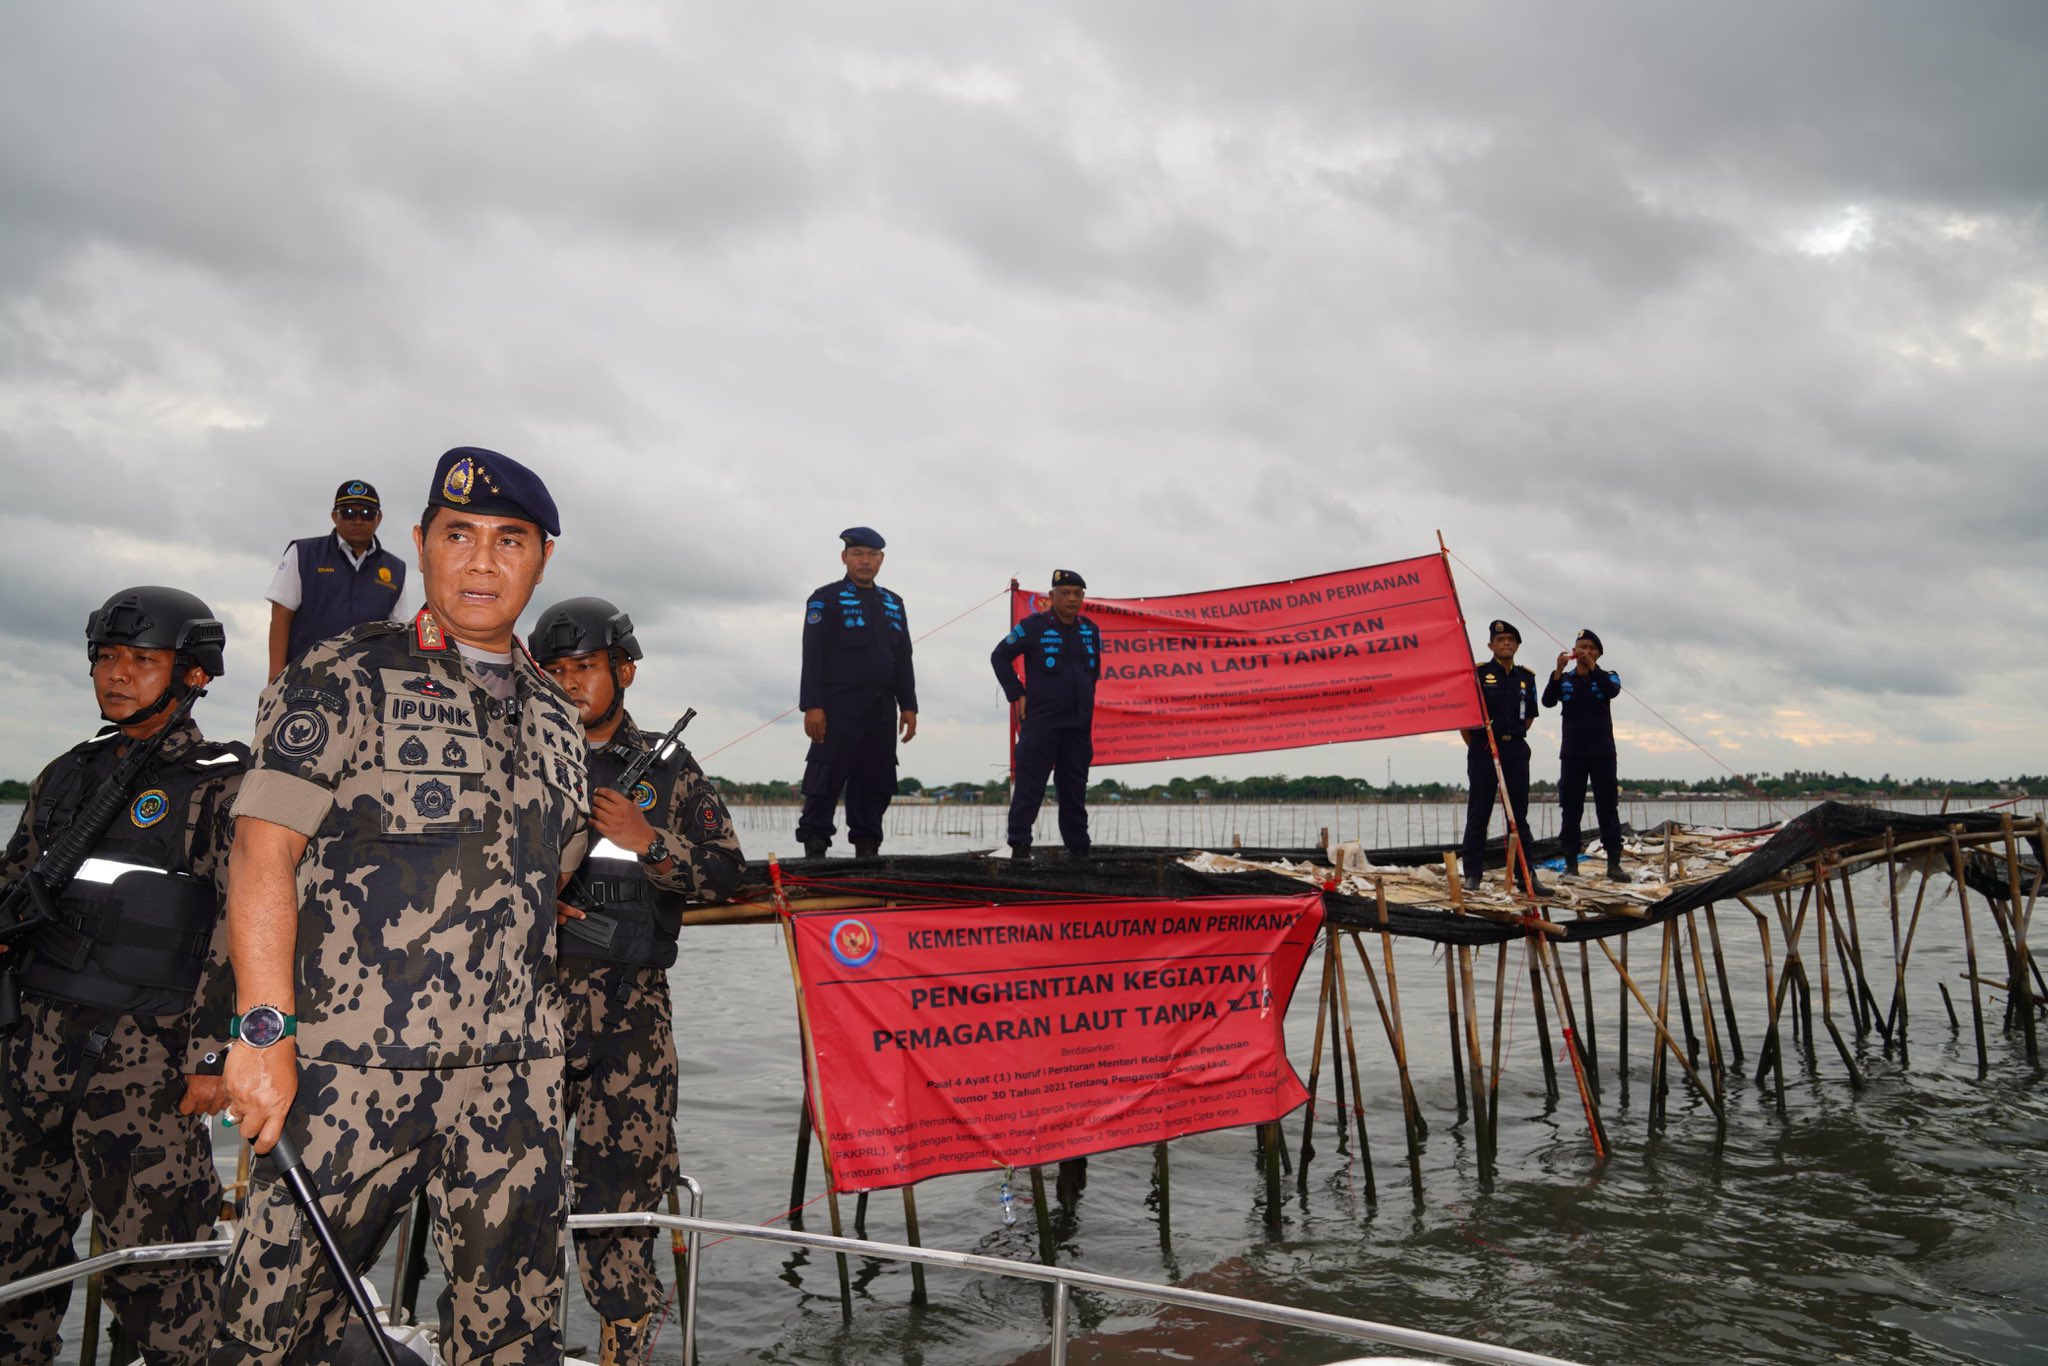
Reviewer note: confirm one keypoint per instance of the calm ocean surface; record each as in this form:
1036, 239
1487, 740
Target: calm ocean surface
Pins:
1907, 1222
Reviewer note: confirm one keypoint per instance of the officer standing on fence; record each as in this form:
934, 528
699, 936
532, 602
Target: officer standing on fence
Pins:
326, 584
1509, 692
1584, 693
661, 846
1055, 706
857, 691
416, 803
104, 1076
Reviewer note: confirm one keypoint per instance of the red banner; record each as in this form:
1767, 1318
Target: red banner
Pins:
966, 1038
1362, 654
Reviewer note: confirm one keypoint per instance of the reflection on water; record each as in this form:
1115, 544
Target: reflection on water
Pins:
1907, 1222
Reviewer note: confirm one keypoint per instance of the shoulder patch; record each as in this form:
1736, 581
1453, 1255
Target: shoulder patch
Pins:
302, 696
299, 733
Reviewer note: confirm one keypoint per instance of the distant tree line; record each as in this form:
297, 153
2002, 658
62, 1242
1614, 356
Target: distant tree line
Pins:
1796, 784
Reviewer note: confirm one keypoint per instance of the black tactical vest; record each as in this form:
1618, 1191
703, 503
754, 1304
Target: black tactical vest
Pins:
647, 919
134, 927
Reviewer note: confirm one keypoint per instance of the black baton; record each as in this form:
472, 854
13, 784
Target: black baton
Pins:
293, 1171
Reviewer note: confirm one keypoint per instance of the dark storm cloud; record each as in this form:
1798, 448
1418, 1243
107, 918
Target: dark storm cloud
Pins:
1722, 331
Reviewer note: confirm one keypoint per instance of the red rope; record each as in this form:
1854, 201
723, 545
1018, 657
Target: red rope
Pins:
1635, 696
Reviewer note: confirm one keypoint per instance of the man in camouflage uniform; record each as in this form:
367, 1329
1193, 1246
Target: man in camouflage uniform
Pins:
666, 842
416, 801
104, 1089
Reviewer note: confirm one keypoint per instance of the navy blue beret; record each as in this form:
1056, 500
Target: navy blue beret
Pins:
1067, 578
1589, 635
1504, 628
863, 536
476, 480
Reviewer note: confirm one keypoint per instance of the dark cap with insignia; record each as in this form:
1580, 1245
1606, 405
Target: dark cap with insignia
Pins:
357, 491
1503, 628
863, 537
476, 480
1588, 634
1067, 578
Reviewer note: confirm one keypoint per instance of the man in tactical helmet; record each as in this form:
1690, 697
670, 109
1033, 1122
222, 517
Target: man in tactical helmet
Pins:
415, 802
112, 1063
857, 691
665, 843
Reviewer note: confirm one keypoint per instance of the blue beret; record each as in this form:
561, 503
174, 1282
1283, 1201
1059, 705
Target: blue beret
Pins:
863, 536
1588, 634
476, 480
1067, 578
1504, 628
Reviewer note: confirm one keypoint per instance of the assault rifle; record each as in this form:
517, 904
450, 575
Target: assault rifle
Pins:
31, 903
595, 927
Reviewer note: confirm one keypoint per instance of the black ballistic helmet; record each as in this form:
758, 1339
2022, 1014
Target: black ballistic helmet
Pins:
161, 619
581, 626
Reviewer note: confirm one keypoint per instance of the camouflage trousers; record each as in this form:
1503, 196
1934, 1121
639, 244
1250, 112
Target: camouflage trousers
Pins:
622, 1091
485, 1143
123, 1150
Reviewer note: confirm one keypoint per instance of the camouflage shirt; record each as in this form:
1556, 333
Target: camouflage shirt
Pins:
439, 821
707, 861
206, 832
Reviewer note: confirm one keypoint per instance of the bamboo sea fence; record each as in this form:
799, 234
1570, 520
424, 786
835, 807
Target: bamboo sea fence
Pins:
1727, 959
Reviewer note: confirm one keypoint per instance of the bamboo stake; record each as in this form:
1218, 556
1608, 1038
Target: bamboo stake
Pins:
1536, 995
917, 1295
1891, 882
1699, 972
1970, 953
1500, 992
1658, 1086
1899, 1005
1554, 975
1270, 1151
1586, 987
1315, 1067
1390, 1015
1475, 1066
1663, 1034
2023, 989
1727, 996
1692, 1038
1372, 1192
1827, 1006
1042, 1215
803, 1016
1772, 1058
1621, 1016
1162, 1174
1457, 1031
1337, 1066
1866, 1017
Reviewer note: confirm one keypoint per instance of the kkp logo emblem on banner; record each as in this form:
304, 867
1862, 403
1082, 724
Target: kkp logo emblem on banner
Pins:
1019, 1034
854, 944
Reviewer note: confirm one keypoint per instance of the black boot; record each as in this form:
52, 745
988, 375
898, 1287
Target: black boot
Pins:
1020, 853
816, 848
1471, 879
867, 848
1614, 873
1571, 865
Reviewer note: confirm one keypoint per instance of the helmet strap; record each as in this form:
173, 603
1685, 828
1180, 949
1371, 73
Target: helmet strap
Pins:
170, 697
611, 662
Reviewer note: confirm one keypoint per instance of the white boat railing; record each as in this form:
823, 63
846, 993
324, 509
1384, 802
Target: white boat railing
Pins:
1063, 1280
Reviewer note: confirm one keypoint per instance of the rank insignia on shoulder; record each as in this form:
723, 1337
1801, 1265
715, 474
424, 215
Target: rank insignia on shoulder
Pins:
149, 808
433, 799
412, 753
643, 795
428, 687
428, 631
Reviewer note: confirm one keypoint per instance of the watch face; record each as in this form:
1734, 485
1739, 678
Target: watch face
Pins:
263, 1026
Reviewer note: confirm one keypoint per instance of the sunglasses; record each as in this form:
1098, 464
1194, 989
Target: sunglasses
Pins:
358, 513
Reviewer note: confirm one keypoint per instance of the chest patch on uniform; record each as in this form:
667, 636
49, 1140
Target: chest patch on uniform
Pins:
427, 687
433, 799
412, 753
418, 711
1491, 678
453, 754
384, 573
643, 795
149, 808
299, 733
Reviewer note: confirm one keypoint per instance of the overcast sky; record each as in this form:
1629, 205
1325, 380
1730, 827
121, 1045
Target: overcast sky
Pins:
1718, 329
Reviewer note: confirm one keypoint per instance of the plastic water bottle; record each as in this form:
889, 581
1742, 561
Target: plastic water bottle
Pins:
1009, 1204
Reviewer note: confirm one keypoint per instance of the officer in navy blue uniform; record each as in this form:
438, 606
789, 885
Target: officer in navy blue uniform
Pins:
1584, 693
326, 584
1055, 704
1509, 691
857, 692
